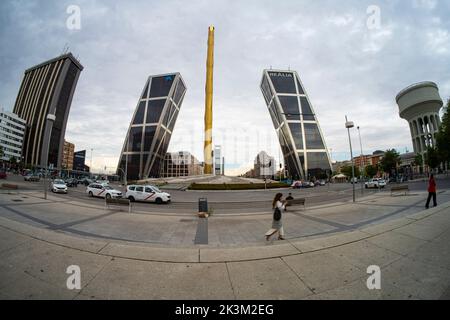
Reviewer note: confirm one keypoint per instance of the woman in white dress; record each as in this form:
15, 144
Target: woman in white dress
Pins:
277, 225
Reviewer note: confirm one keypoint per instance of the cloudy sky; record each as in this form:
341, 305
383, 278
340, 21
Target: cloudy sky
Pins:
350, 62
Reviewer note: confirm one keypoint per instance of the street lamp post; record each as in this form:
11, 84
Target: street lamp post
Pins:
92, 151
126, 164
361, 163
348, 125
46, 146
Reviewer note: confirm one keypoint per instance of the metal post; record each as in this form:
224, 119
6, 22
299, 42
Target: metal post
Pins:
46, 146
90, 173
126, 164
361, 163
348, 125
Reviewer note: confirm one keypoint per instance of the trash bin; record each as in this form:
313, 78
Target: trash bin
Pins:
203, 205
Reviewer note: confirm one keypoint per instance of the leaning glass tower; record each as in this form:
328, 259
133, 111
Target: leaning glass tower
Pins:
151, 127
304, 150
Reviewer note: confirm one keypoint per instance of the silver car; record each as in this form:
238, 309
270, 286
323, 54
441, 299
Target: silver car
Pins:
375, 183
59, 186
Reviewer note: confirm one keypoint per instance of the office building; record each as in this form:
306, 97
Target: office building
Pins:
181, 164
47, 89
218, 165
151, 127
68, 153
304, 150
264, 166
79, 159
12, 133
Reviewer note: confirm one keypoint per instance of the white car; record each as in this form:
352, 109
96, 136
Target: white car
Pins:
146, 193
103, 191
59, 186
375, 183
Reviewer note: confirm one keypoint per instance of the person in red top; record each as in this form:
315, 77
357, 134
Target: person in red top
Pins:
431, 191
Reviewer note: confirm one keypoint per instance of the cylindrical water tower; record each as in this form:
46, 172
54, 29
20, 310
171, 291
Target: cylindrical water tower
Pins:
419, 104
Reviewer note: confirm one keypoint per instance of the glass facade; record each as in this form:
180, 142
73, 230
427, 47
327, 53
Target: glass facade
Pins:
312, 136
290, 108
283, 82
301, 141
151, 127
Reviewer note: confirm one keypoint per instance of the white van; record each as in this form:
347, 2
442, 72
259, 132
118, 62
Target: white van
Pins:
146, 193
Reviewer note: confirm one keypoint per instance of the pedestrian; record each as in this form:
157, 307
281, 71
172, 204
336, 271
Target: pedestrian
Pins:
431, 192
288, 198
277, 226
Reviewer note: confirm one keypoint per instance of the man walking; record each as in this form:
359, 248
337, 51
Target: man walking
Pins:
431, 192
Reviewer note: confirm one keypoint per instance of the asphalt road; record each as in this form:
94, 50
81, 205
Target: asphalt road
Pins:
235, 201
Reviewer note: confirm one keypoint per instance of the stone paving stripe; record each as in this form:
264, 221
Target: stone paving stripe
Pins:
201, 237
27, 216
70, 224
323, 221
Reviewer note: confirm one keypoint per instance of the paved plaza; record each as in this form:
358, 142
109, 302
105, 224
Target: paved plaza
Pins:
167, 252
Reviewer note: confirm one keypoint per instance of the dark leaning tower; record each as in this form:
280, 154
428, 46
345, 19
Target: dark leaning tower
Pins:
151, 127
304, 150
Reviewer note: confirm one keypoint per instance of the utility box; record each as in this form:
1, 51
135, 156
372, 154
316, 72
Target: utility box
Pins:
203, 207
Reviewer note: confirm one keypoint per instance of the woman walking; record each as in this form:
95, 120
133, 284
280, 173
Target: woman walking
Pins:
431, 192
277, 225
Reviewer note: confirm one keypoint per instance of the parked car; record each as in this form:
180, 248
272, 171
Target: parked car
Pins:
72, 182
86, 181
146, 193
322, 182
103, 191
375, 183
296, 184
354, 180
59, 186
2, 174
32, 177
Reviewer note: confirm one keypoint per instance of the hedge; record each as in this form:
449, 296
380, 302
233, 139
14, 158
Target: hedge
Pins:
236, 186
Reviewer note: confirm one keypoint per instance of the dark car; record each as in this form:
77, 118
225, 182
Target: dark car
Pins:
86, 181
72, 182
2, 174
32, 177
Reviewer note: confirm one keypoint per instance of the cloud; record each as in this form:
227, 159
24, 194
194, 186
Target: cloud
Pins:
346, 68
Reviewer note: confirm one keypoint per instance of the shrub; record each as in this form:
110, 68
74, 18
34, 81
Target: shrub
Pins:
237, 186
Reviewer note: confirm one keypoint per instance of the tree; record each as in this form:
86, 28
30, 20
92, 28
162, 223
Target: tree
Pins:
390, 160
347, 170
432, 158
418, 161
370, 170
443, 136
